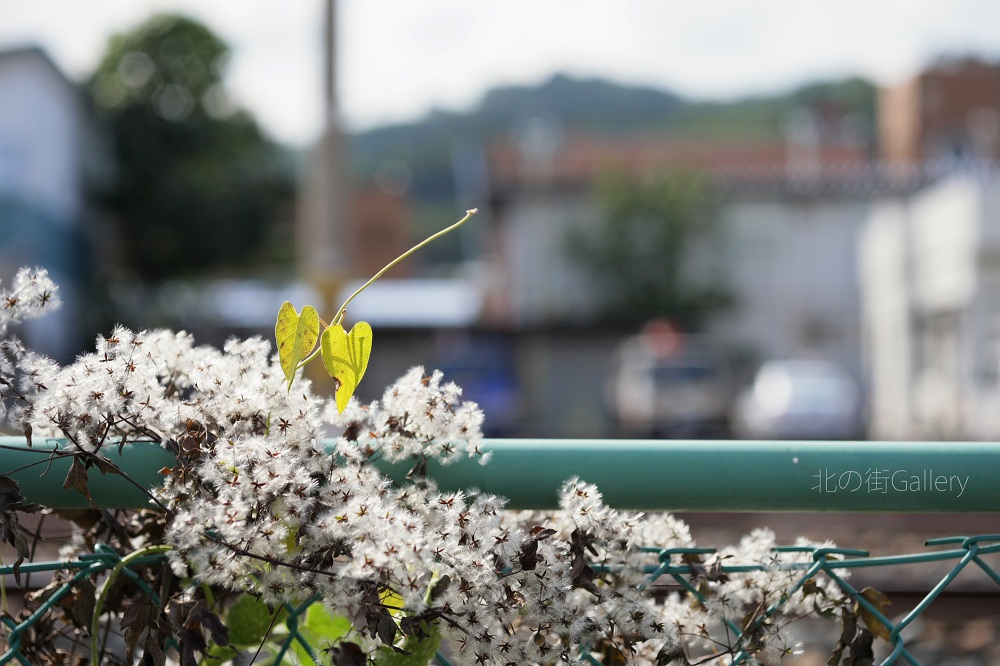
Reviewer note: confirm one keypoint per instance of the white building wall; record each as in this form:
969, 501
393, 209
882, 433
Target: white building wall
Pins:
543, 283
793, 269
931, 275
946, 223
883, 251
42, 132
40, 136
982, 409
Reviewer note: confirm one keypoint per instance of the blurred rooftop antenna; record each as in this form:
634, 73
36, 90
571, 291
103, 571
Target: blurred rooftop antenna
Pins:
322, 243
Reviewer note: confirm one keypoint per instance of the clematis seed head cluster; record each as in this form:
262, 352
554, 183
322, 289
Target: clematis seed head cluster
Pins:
276, 494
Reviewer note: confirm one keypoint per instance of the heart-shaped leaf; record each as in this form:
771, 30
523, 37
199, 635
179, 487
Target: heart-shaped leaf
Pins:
295, 335
345, 356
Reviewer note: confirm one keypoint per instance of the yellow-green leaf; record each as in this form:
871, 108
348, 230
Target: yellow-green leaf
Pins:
327, 628
392, 601
295, 335
345, 356
248, 621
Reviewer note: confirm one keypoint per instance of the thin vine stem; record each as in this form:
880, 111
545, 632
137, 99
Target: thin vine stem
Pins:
342, 310
106, 588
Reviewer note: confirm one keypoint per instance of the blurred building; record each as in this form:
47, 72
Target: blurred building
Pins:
930, 261
948, 111
791, 213
50, 155
931, 275
886, 263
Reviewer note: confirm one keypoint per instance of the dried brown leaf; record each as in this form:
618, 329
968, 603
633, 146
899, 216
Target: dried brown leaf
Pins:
349, 654
10, 493
76, 479
848, 629
11, 499
861, 649
528, 556
880, 602
79, 603
136, 620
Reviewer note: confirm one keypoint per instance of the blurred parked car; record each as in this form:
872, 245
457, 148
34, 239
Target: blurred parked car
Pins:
664, 386
800, 400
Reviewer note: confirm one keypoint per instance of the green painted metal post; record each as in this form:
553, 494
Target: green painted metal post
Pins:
675, 475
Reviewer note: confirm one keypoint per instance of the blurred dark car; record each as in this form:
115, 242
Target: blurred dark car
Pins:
807, 399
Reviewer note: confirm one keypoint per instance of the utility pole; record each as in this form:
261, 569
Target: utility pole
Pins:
323, 235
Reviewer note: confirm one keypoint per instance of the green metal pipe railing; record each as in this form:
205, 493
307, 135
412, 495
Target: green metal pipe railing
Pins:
674, 475
670, 475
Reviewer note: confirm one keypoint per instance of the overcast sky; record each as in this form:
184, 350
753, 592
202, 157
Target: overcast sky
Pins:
400, 58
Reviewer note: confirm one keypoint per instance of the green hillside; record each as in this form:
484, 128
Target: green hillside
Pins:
433, 145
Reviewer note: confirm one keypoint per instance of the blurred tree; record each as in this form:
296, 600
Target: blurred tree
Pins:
650, 252
197, 186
